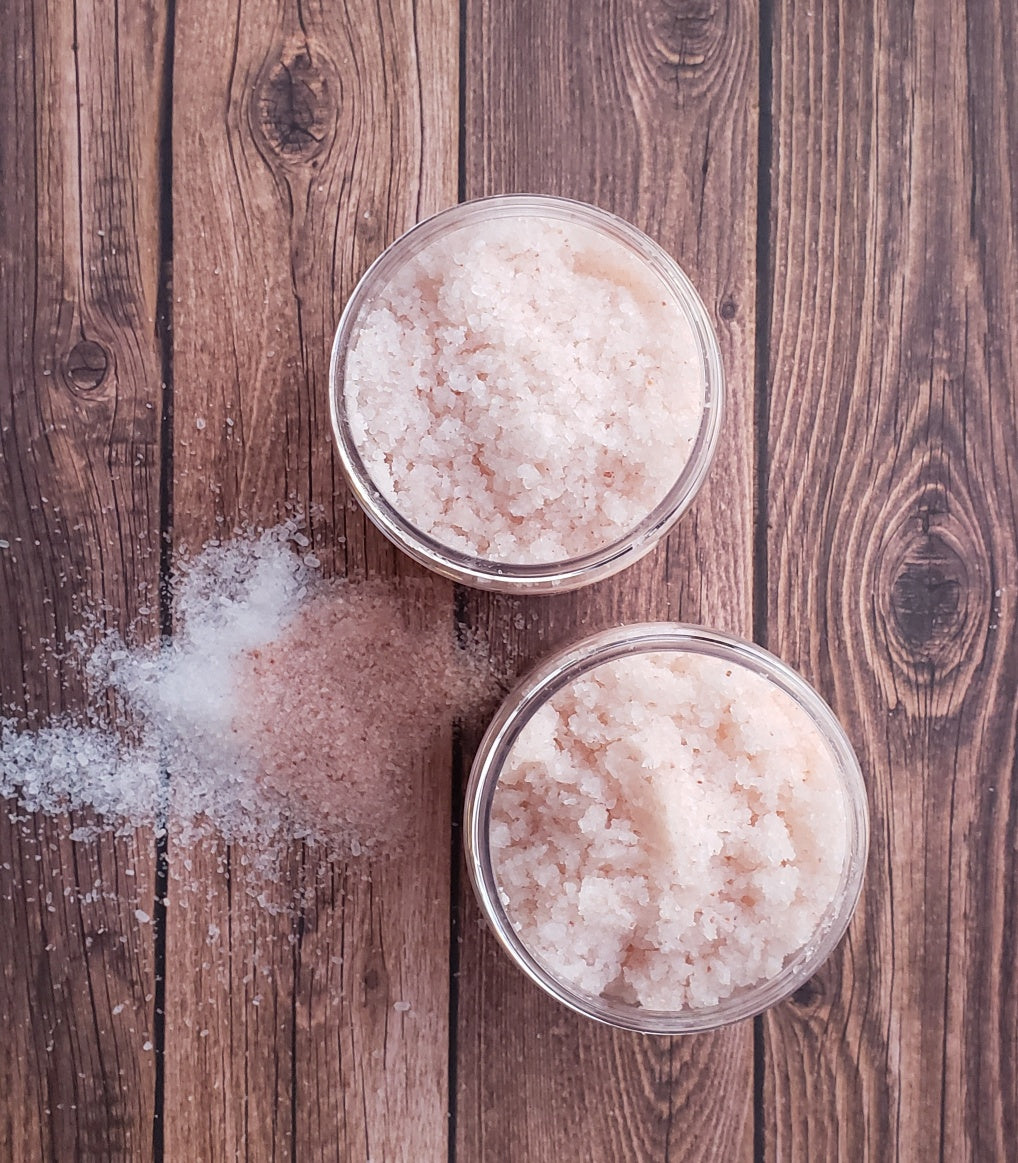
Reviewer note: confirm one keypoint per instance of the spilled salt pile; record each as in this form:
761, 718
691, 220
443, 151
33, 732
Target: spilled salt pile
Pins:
667, 830
283, 706
343, 704
524, 390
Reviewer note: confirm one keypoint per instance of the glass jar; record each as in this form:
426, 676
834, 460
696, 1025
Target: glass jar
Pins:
535, 577
562, 670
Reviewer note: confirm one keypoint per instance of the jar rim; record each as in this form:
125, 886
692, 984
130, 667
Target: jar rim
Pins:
552, 675
540, 577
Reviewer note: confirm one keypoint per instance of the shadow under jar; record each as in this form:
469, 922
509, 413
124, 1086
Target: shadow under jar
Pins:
526, 393
666, 828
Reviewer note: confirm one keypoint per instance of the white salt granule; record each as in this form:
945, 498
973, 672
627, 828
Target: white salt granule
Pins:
524, 390
70, 765
667, 830
283, 706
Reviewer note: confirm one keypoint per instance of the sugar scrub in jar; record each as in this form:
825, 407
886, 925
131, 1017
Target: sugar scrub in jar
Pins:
666, 828
526, 393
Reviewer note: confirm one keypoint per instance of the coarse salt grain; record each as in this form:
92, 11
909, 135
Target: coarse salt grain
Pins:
668, 829
525, 390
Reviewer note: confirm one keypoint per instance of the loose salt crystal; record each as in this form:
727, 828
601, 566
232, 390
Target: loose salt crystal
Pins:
200, 423
502, 408
402, 1007
141, 916
668, 830
6, 544
117, 1009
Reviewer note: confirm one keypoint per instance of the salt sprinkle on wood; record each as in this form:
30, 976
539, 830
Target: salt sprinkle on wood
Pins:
284, 706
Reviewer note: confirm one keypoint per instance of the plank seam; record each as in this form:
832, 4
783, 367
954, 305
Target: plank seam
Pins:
460, 601
454, 934
461, 161
764, 302
164, 334
761, 408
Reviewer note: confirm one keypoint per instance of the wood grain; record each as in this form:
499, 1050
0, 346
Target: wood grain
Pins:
79, 522
647, 109
891, 503
306, 137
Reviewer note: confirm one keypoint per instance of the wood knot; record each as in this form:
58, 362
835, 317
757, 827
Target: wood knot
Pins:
86, 365
809, 994
374, 978
728, 309
690, 33
295, 106
932, 599
926, 596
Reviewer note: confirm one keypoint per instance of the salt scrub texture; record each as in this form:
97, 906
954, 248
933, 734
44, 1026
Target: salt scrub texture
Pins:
524, 390
283, 706
667, 830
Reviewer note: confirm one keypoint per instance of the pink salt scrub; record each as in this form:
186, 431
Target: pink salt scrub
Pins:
668, 830
524, 389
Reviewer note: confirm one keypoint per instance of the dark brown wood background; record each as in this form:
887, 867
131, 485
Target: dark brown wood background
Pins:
190, 191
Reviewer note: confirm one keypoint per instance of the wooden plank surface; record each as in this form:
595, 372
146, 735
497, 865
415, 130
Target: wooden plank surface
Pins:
306, 138
891, 503
649, 110
79, 523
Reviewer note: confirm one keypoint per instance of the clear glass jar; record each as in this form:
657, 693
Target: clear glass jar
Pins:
558, 672
549, 576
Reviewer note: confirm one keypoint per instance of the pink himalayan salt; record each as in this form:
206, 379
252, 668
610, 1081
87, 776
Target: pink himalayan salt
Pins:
524, 390
343, 707
668, 830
